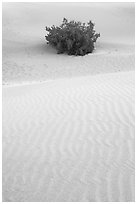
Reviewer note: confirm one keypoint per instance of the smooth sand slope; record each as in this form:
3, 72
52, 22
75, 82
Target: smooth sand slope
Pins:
26, 56
70, 140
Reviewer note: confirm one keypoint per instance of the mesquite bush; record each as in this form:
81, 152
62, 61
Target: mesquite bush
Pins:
73, 38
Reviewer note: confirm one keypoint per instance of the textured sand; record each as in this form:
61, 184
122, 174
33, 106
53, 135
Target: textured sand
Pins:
71, 138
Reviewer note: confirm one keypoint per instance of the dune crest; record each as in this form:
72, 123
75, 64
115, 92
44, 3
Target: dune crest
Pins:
68, 122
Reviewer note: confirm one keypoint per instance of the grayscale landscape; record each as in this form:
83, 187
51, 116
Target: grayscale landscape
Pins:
68, 121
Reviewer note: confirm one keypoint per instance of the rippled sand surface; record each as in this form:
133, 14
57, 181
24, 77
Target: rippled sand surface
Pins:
68, 122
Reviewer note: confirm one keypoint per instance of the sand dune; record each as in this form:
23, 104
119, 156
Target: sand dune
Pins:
70, 140
30, 59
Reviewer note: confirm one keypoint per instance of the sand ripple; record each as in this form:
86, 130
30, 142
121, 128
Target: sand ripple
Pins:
70, 140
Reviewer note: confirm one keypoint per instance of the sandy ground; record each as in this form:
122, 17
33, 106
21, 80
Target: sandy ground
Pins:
26, 57
71, 138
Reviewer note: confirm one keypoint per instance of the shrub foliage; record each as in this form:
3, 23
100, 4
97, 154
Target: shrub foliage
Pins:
73, 38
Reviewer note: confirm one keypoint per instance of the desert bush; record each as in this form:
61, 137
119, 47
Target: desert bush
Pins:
73, 38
